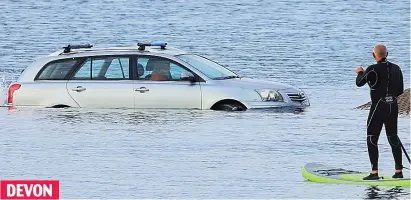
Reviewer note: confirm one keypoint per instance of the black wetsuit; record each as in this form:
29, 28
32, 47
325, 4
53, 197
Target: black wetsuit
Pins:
386, 83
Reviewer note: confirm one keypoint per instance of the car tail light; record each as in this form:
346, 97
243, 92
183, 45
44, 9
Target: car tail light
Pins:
12, 89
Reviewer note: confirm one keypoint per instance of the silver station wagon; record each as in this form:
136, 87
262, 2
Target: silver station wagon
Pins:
147, 75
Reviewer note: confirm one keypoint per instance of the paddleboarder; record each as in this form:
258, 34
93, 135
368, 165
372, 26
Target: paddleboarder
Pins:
385, 80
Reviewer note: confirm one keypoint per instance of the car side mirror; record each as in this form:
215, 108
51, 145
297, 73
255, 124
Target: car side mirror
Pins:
187, 76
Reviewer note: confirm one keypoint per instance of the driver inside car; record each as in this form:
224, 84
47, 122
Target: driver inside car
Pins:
161, 71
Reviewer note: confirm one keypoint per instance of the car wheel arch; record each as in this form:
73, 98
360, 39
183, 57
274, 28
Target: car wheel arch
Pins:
60, 106
217, 105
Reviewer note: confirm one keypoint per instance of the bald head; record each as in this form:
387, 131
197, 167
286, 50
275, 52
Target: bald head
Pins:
380, 51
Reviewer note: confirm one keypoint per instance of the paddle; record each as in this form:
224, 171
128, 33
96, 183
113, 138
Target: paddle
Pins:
403, 149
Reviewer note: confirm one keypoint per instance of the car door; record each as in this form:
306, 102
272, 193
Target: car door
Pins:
103, 82
159, 85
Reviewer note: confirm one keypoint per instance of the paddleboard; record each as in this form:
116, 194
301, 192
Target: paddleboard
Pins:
320, 173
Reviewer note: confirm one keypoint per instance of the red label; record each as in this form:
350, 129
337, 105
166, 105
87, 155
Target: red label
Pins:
29, 189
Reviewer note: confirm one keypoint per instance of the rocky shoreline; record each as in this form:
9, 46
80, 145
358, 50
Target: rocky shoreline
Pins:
403, 103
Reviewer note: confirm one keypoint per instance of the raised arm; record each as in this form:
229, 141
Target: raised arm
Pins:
369, 76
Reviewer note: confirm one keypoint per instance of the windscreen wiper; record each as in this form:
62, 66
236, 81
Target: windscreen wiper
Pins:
226, 77
231, 77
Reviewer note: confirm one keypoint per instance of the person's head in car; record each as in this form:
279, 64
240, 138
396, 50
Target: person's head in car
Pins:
161, 71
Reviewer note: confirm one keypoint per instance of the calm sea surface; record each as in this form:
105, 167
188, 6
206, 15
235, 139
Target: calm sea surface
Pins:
314, 45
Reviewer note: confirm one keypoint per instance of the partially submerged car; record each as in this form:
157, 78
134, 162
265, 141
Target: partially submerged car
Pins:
148, 75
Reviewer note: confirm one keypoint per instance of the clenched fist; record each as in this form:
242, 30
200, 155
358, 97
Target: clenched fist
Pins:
359, 69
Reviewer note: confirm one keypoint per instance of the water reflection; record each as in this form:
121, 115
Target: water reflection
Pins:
140, 116
121, 116
374, 192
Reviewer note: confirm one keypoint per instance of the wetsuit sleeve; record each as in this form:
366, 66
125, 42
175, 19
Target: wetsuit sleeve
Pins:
401, 86
367, 76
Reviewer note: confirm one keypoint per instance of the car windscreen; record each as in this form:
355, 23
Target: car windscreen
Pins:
209, 68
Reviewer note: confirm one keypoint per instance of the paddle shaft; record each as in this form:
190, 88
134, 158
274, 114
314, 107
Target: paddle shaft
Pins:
403, 149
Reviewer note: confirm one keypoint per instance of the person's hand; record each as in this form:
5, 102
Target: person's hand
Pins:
359, 69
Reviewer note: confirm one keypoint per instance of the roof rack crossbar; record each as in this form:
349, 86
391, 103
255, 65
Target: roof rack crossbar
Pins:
143, 45
69, 47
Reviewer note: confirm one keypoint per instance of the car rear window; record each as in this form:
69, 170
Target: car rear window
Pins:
57, 70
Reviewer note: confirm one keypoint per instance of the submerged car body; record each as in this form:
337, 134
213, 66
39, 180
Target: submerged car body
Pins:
148, 75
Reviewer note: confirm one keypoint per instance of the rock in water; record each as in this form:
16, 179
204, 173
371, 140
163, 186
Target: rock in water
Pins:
403, 103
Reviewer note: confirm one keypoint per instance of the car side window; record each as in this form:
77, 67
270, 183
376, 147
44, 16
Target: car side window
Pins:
176, 71
118, 69
104, 68
158, 69
57, 70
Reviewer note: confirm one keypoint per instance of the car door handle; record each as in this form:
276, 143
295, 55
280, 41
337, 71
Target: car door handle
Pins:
142, 89
78, 89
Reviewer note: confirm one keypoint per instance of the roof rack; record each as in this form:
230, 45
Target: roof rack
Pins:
69, 47
142, 46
